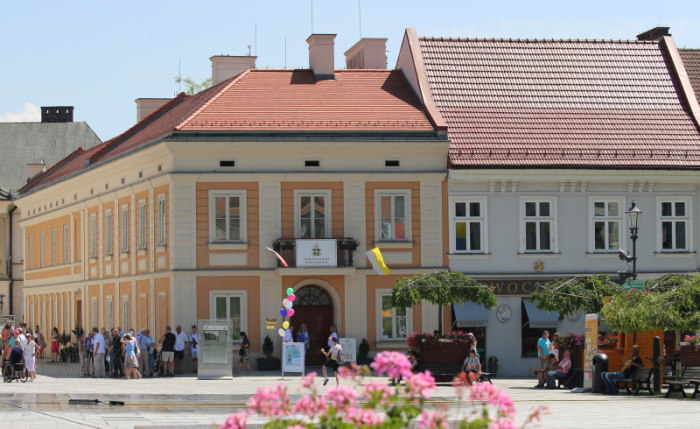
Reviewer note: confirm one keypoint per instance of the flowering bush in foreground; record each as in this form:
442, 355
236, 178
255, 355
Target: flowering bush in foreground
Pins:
378, 405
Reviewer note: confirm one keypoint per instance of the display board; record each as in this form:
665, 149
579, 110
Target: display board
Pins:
293, 355
349, 346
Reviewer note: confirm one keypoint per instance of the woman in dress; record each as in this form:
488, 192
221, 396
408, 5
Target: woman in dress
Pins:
55, 344
30, 350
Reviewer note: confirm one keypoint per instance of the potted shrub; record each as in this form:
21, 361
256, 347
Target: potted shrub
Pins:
64, 339
363, 353
268, 363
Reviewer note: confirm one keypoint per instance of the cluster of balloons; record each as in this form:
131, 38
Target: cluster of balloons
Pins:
287, 310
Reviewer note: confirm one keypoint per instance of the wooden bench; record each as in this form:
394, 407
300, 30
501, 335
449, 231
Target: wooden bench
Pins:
641, 377
690, 376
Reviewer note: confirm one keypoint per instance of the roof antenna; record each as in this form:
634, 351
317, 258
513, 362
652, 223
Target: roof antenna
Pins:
248, 50
285, 52
359, 13
179, 76
255, 41
312, 16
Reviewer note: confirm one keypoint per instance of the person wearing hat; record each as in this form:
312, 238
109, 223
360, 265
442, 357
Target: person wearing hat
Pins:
31, 348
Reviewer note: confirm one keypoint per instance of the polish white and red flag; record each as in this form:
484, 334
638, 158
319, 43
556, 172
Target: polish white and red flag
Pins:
281, 259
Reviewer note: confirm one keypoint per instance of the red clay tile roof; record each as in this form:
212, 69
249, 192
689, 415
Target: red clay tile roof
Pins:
537, 103
268, 101
691, 60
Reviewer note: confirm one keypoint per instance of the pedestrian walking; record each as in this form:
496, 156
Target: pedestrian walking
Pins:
243, 354
99, 349
55, 344
333, 359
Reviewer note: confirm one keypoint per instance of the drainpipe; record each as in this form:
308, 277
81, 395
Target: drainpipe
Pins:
9, 268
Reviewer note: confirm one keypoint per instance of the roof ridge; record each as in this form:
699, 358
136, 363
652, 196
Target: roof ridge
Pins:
519, 40
224, 86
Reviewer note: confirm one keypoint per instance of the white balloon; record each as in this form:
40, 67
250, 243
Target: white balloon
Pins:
285, 302
289, 305
281, 332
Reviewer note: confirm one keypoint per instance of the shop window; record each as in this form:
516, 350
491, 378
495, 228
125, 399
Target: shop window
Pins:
534, 322
227, 222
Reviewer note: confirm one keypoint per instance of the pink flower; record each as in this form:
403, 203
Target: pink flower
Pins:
432, 420
420, 384
296, 427
351, 372
487, 393
310, 406
393, 364
362, 417
235, 421
270, 401
308, 380
503, 423
341, 397
378, 391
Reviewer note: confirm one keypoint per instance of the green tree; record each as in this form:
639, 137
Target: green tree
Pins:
191, 86
441, 288
569, 296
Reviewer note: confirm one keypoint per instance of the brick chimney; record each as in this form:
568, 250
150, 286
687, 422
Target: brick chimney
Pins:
57, 114
654, 34
367, 54
227, 66
321, 55
146, 106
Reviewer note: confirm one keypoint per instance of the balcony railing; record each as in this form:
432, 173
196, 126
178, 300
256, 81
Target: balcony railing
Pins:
344, 250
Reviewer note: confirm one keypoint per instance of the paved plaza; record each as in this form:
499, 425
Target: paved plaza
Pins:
185, 402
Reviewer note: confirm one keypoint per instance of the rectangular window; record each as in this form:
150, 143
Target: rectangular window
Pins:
125, 229
142, 225
54, 246
66, 316
467, 227
393, 320
109, 313
675, 225
41, 249
227, 216
231, 307
161, 221
607, 224
93, 236
43, 317
312, 210
537, 225
65, 244
393, 212
54, 314
93, 312
108, 232
126, 322
30, 251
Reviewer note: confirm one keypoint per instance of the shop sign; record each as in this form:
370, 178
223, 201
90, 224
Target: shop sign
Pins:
270, 323
317, 253
514, 287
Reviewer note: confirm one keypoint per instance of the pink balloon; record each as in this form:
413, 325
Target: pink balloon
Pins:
292, 297
290, 312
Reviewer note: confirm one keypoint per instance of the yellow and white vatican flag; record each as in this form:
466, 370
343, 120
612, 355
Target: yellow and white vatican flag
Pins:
375, 257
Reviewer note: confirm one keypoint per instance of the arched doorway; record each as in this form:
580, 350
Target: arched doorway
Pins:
313, 307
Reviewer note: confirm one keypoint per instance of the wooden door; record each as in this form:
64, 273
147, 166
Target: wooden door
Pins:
315, 309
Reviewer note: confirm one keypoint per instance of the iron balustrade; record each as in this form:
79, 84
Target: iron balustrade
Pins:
345, 248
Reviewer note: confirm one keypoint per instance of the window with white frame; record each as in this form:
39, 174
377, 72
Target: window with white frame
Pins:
467, 229
93, 236
227, 221
66, 257
125, 313
109, 312
41, 249
393, 215
54, 246
394, 322
312, 211
230, 306
674, 224
93, 312
606, 224
161, 221
108, 232
538, 222
142, 225
125, 229
30, 251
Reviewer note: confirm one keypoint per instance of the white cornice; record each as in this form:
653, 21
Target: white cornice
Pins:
590, 175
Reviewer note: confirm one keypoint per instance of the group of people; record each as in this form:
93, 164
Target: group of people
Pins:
130, 355
555, 364
21, 347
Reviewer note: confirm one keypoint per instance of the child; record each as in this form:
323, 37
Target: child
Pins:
472, 366
542, 373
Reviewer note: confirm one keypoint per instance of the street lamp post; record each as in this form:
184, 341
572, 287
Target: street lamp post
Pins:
633, 217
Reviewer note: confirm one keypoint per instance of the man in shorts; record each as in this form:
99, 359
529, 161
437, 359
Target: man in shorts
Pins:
180, 342
167, 354
333, 355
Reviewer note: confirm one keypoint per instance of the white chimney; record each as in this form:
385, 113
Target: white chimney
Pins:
146, 106
321, 55
367, 54
227, 66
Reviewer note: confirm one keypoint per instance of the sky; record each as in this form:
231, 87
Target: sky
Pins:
100, 56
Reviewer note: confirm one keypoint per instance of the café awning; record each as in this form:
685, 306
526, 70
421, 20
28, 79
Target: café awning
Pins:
470, 314
538, 318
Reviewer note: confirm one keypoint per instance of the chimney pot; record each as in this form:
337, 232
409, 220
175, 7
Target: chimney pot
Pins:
227, 66
36, 168
367, 54
321, 60
57, 114
146, 106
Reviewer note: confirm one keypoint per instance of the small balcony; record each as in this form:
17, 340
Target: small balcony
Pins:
316, 253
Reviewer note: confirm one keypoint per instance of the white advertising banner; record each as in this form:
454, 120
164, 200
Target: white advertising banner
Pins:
349, 346
293, 357
317, 253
